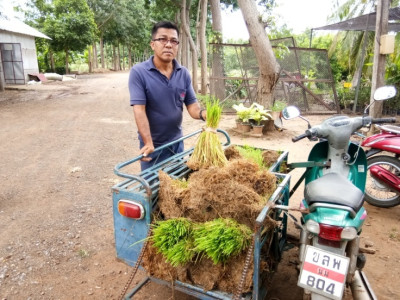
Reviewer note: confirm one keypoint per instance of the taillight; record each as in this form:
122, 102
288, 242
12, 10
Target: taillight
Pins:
312, 227
131, 209
349, 233
330, 232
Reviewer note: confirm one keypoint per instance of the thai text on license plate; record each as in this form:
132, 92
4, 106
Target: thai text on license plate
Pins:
324, 272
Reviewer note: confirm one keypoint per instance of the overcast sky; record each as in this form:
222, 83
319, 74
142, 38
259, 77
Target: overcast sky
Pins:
296, 14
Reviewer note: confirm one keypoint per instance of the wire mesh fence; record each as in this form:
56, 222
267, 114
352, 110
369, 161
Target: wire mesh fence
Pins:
305, 80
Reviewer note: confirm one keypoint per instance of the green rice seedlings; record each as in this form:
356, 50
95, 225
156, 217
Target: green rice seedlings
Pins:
221, 238
181, 183
252, 154
208, 150
174, 240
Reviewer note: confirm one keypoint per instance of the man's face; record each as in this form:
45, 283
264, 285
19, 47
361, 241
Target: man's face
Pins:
166, 52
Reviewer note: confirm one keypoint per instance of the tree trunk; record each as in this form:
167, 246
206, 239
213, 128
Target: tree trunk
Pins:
119, 57
130, 57
269, 68
378, 69
66, 61
52, 63
114, 54
203, 46
94, 58
185, 25
217, 84
197, 37
184, 56
102, 52
90, 60
123, 57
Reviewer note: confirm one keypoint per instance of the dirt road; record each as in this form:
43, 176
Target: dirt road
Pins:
59, 144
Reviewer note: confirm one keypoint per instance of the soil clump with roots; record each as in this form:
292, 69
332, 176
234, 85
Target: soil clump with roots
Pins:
239, 191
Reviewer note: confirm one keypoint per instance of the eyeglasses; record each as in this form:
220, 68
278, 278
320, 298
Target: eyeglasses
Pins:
165, 41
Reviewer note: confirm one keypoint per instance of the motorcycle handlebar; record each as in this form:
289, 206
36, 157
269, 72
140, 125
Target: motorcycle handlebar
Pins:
299, 137
383, 120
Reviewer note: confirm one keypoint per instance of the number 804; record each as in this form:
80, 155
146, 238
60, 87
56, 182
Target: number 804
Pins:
320, 284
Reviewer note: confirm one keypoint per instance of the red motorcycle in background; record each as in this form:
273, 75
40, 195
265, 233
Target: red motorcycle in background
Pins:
383, 179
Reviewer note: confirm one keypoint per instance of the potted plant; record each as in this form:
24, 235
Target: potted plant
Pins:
258, 115
243, 114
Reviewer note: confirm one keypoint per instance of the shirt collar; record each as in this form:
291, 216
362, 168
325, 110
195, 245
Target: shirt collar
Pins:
150, 64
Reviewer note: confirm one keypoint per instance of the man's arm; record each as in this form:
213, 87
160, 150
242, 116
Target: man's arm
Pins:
195, 111
143, 126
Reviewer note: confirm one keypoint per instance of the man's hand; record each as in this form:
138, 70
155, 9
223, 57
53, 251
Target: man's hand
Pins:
146, 150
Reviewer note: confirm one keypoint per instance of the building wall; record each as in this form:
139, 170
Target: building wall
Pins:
28, 49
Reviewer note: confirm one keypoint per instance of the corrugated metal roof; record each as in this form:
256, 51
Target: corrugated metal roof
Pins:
366, 22
15, 25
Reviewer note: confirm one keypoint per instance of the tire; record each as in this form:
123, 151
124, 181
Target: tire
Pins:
376, 193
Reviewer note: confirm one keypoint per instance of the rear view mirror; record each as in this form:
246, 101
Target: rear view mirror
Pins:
290, 112
384, 92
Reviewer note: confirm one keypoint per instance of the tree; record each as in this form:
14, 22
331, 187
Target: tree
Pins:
71, 26
269, 68
218, 83
193, 48
203, 45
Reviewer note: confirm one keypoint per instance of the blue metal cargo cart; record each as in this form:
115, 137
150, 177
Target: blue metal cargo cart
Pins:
135, 199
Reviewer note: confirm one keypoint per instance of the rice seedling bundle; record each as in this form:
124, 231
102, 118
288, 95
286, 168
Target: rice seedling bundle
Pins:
252, 154
221, 238
208, 150
173, 239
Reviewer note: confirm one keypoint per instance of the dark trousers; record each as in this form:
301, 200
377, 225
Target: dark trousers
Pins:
159, 156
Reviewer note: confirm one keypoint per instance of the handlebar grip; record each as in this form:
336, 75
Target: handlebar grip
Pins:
299, 137
383, 120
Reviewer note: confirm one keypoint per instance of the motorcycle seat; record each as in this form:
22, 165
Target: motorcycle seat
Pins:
334, 188
390, 128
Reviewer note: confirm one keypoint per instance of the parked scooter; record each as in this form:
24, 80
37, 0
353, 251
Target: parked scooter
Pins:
383, 179
332, 208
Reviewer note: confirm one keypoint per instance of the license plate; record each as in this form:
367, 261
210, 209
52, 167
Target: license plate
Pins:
324, 272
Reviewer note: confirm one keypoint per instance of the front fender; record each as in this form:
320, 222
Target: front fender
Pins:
372, 152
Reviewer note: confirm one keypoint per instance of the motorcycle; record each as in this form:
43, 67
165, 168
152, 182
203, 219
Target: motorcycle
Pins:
332, 212
383, 179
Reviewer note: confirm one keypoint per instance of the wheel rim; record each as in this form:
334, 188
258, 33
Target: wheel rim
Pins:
377, 190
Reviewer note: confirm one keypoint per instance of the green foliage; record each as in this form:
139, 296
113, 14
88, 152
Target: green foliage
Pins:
243, 113
179, 240
173, 238
255, 112
214, 111
281, 51
221, 238
71, 25
252, 154
181, 183
278, 105
346, 96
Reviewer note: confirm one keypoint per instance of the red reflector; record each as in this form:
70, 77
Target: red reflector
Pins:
333, 244
329, 232
131, 209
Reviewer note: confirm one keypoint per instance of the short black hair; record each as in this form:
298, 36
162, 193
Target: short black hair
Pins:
163, 24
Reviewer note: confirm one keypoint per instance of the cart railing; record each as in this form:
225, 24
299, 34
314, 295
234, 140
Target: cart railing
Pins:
147, 181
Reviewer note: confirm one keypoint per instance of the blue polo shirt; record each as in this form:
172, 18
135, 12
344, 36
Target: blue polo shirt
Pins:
163, 98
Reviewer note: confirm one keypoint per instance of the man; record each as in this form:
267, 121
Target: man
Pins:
158, 89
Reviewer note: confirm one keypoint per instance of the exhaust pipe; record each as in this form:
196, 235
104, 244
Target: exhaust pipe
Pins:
360, 287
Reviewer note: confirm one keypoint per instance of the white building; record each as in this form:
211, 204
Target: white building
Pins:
18, 50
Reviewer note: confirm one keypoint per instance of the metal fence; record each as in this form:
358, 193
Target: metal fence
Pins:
305, 79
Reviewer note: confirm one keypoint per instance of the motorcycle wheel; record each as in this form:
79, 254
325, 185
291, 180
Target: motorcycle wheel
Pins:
376, 193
